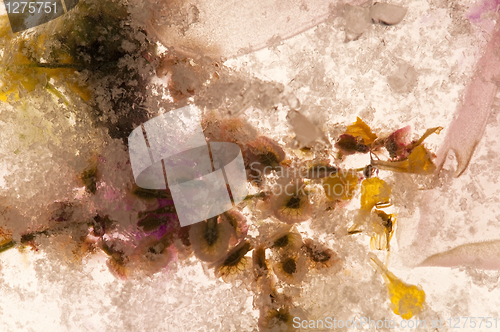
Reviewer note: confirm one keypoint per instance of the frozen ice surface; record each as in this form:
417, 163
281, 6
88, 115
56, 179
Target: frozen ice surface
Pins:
412, 73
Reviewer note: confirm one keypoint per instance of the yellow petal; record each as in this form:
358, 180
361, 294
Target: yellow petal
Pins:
4, 26
341, 185
427, 133
374, 191
406, 300
359, 128
418, 162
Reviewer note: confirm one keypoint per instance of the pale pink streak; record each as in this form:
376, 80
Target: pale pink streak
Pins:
467, 128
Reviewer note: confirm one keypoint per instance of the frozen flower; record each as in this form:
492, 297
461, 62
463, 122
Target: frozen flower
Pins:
262, 156
406, 300
418, 162
287, 241
361, 129
276, 320
239, 224
399, 146
260, 267
234, 262
117, 260
397, 143
210, 238
348, 144
292, 205
383, 229
320, 256
151, 255
290, 267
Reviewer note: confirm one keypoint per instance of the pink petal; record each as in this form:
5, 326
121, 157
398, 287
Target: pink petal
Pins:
466, 130
480, 255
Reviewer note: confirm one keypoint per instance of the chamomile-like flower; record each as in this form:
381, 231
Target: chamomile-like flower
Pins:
234, 262
210, 238
292, 205
290, 268
319, 255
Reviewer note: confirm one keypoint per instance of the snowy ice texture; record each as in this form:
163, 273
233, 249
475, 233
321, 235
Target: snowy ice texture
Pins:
335, 82
176, 137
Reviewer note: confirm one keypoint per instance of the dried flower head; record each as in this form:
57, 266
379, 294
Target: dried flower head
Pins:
290, 268
210, 238
234, 262
238, 223
320, 256
262, 156
292, 205
259, 261
287, 241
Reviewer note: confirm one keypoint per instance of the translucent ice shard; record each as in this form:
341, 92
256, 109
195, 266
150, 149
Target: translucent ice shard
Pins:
227, 28
306, 132
357, 21
387, 13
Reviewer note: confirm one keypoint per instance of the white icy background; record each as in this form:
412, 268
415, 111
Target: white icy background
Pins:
335, 82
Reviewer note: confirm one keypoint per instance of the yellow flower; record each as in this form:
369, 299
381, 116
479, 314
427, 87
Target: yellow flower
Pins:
234, 263
418, 162
359, 128
341, 185
406, 300
373, 192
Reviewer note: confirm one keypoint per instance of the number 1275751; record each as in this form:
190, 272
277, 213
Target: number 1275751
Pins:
31, 7
472, 322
